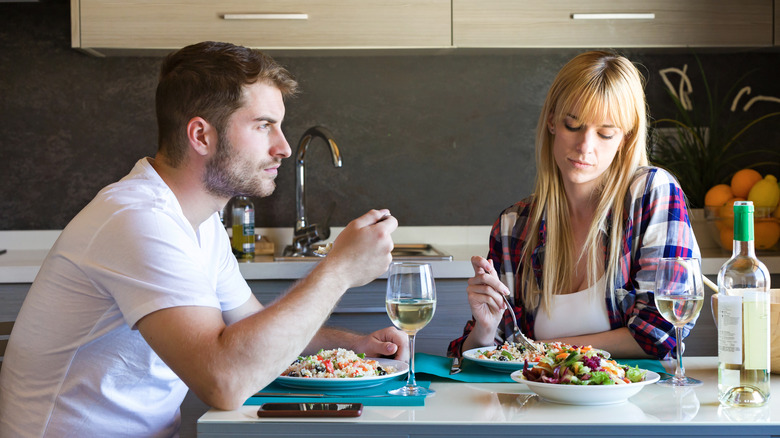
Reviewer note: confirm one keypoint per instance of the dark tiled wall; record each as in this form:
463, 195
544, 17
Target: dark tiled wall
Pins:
440, 139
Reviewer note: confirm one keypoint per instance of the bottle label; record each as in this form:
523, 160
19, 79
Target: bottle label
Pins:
729, 329
249, 222
756, 326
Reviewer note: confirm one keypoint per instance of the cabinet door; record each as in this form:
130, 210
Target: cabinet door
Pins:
12, 296
612, 23
147, 24
362, 310
777, 22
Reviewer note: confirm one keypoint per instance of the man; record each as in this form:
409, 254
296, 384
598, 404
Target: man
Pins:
141, 297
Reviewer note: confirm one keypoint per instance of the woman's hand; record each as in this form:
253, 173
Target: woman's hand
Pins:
485, 292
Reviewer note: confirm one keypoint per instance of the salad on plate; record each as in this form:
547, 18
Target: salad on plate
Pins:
337, 363
516, 352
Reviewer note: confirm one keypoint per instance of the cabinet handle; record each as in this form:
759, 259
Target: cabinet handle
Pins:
265, 16
359, 310
637, 16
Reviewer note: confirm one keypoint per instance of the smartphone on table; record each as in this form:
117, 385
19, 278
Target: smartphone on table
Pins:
310, 410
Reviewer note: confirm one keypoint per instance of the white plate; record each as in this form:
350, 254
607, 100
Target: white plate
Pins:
504, 366
346, 382
586, 394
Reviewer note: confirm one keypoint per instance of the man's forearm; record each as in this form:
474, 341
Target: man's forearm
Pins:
328, 338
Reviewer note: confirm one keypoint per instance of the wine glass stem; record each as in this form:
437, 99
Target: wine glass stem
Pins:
679, 372
411, 382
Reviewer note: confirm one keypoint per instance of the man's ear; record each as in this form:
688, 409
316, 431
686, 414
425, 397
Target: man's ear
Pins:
201, 135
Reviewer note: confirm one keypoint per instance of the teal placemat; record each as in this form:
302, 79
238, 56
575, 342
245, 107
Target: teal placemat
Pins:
472, 372
374, 396
438, 368
645, 364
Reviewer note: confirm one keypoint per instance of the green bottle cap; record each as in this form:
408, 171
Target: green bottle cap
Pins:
743, 221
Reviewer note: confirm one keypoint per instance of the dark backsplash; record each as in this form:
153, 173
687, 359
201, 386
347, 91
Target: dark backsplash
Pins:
440, 139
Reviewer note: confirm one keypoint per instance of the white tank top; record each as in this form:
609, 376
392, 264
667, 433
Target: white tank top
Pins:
578, 313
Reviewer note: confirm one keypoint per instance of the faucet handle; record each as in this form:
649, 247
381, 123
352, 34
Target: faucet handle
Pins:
308, 235
304, 237
322, 232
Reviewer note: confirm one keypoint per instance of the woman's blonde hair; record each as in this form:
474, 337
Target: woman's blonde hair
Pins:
594, 86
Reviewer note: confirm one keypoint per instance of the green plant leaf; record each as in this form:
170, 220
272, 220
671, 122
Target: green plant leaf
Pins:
700, 145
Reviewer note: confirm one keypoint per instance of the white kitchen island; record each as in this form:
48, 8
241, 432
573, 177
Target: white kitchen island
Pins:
511, 409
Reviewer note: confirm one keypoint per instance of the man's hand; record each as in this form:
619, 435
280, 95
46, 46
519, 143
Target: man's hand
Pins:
389, 342
361, 252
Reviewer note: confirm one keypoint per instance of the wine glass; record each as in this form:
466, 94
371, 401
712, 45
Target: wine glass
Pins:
410, 302
679, 296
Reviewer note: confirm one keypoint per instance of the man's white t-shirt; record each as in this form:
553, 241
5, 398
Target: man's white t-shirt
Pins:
76, 365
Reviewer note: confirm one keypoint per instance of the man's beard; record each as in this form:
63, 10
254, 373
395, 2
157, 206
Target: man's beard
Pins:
227, 176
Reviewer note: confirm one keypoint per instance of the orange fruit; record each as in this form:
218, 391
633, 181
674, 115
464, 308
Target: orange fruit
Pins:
743, 181
721, 224
725, 221
727, 239
766, 233
718, 195
727, 210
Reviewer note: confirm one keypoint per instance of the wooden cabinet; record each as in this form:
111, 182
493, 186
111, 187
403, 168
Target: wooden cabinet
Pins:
612, 23
147, 26
12, 296
362, 310
106, 25
777, 22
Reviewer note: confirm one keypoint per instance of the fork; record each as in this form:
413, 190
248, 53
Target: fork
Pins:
518, 334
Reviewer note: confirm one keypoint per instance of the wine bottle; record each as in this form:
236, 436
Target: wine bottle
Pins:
243, 239
743, 319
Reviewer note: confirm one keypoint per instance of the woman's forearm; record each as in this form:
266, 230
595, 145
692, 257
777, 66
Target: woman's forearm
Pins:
480, 336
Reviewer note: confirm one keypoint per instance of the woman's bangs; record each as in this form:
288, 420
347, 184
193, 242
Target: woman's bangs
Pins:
599, 103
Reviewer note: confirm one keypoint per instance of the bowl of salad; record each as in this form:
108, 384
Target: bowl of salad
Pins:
583, 378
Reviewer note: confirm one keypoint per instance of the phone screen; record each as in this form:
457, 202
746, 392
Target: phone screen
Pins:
310, 410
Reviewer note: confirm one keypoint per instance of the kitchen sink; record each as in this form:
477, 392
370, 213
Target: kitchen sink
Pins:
417, 251
401, 252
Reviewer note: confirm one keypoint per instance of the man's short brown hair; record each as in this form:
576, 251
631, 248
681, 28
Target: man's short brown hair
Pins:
206, 80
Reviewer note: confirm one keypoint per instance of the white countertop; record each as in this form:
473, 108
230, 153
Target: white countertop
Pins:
26, 251
490, 409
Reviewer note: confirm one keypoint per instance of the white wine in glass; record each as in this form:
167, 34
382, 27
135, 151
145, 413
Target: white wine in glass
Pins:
410, 303
679, 297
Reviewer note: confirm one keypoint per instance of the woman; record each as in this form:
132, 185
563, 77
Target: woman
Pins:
578, 256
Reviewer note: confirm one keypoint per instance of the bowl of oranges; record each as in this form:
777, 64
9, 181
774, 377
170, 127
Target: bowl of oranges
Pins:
746, 185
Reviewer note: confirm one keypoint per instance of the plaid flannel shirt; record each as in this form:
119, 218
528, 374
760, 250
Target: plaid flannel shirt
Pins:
656, 225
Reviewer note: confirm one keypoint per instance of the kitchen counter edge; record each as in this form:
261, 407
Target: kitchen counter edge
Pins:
26, 251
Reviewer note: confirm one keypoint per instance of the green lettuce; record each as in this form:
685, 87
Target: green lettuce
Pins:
600, 378
634, 374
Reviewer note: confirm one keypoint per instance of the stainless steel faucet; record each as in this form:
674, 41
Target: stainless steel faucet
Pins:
306, 234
